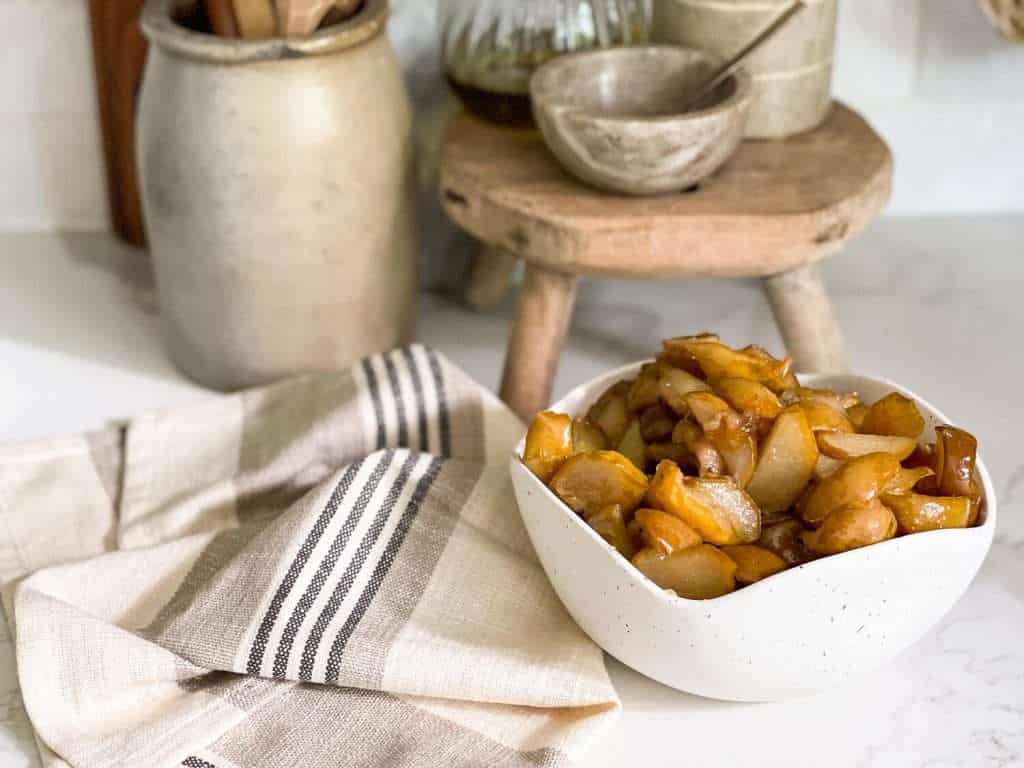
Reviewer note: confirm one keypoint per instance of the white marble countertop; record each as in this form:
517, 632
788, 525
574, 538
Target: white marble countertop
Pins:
934, 304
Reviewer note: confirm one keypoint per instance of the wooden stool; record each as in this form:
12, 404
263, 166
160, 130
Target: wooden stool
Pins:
773, 211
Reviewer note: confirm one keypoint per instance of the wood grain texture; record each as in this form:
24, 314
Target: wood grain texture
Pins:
488, 277
776, 206
542, 321
221, 14
804, 314
119, 54
256, 19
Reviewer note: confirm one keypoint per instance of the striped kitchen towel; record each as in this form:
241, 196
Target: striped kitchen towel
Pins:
330, 571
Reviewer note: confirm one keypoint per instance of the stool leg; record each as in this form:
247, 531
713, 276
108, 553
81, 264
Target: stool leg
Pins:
804, 314
545, 308
490, 271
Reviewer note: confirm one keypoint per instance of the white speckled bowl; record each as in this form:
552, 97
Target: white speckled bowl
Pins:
812, 627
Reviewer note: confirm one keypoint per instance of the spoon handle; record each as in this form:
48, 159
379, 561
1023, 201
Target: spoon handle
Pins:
730, 66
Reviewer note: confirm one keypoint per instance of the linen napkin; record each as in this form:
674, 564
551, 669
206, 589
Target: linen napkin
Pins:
330, 571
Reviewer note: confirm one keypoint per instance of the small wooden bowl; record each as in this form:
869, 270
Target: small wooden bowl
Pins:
615, 120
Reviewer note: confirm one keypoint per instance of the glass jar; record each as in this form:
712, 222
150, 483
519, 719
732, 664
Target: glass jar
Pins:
489, 48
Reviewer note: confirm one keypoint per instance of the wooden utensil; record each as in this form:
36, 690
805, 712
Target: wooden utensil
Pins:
723, 72
119, 53
221, 14
297, 18
255, 18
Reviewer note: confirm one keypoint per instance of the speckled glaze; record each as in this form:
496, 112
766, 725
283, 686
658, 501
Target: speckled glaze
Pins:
807, 629
615, 118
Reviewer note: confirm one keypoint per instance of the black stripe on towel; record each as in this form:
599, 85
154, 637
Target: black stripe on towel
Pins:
442, 404
381, 571
378, 405
344, 584
316, 584
421, 402
403, 427
259, 645
195, 762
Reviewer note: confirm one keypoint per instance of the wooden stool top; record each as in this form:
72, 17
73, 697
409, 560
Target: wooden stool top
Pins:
775, 206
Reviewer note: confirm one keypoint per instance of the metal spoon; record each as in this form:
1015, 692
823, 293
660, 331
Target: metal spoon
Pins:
731, 65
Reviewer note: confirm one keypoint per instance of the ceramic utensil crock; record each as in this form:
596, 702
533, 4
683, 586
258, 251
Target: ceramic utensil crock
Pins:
278, 190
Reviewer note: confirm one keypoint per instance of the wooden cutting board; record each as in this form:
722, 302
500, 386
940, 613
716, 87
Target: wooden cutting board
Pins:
119, 52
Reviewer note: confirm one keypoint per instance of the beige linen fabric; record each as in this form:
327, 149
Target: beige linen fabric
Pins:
330, 571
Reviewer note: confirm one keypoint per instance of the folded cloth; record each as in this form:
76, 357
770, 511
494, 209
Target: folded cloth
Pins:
330, 571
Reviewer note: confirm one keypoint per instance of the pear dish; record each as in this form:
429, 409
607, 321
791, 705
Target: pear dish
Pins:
713, 468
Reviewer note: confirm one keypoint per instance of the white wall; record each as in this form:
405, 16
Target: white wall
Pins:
931, 75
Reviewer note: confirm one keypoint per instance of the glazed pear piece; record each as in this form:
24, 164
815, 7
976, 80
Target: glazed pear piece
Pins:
646, 389
548, 444
858, 481
663, 532
906, 479
956, 457
680, 454
849, 445
677, 356
916, 512
632, 445
852, 527
610, 524
856, 414
709, 461
587, 437
719, 510
589, 482
788, 457
894, 414
611, 412
839, 401
657, 423
676, 384
717, 361
784, 539
826, 466
822, 417
752, 399
696, 573
728, 432
754, 563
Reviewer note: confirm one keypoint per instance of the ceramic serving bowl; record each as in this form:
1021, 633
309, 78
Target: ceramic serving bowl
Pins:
615, 119
812, 627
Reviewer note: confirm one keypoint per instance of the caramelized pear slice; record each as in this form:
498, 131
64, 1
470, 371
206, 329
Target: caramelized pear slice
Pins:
676, 384
587, 437
849, 445
750, 398
754, 563
839, 401
851, 527
719, 510
717, 361
784, 539
663, 532
906, 479
956, 457
858, 481
548, 444
676, 356
826, 466
696, 573
822, 417
788, 457
611, 413
646, 390
728, 432
916, 512
680, 454
610, 525
632, 445
894, 414
856, 414
657, 423
709, 461
589, 482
